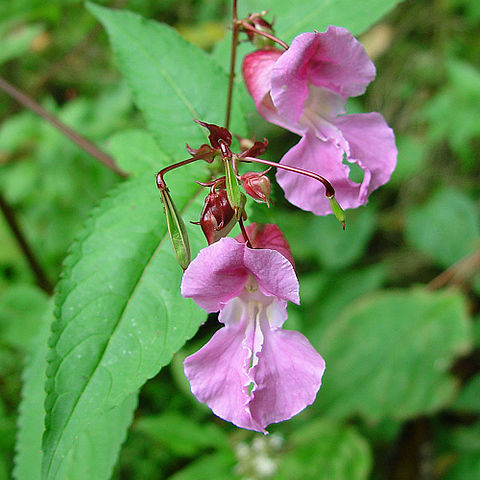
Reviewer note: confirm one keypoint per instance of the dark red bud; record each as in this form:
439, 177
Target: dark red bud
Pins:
257, 185
218, 217
216, 133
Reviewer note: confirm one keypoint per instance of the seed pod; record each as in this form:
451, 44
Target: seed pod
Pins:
257, 185
176, 229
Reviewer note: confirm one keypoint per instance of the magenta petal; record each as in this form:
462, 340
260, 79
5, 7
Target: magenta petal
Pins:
218, 375
257, 70
216, 275
288, 376
325, 159
372, 147
274, 274
333, 59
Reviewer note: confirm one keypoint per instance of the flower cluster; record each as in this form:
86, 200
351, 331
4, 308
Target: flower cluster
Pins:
252, 372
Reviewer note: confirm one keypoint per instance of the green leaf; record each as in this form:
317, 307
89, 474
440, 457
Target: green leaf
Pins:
172, 81
325, 451
17, 39
322, 238
389, 354
466, 442
136, 152
446, 228
292, 18
469, 398
96, 448
181, 435
120, 315
21, 306
337, 293
218, 466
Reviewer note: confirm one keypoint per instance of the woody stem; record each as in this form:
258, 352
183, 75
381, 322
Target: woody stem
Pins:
233, 57
329, 190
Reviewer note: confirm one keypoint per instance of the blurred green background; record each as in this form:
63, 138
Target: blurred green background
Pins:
392, 303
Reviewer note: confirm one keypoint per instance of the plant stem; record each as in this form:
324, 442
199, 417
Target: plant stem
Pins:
233, 57
161, 182
82, 142
329, 190
458, 273
40, 276
247, 26
244, 232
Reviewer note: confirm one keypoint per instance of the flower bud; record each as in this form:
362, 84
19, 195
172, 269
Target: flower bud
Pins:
261, 25
218, 217
257, 185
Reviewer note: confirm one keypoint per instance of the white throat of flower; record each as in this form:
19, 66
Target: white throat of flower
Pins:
321, 108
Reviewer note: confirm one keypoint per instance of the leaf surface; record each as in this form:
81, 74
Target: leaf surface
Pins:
172, 81
389, 354
120, 315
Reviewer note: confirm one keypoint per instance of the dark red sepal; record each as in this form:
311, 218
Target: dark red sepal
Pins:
216, 133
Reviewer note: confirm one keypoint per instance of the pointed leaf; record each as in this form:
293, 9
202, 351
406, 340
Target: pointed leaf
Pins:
120, 315
96, 449
172, 81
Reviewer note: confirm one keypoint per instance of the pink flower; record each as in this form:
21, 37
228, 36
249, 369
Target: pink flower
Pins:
304, 89
251, 373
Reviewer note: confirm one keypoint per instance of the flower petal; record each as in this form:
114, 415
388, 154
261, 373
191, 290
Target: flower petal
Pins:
274, 274
268, 235
218, 374
216, 275
257, 72
287, 377
323, 158
372, 147
333, 59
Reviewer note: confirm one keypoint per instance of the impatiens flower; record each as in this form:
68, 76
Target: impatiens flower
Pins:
304, 89
251, 373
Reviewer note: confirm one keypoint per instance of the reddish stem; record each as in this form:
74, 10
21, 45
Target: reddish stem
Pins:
329, 190
247, 26
244, 232
161, 183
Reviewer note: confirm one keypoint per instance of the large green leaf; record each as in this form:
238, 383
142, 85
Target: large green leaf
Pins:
96, 448
389, 354
136, 152
120, 315
21, 306
446, 228
172, 81
292, 18
325, 451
